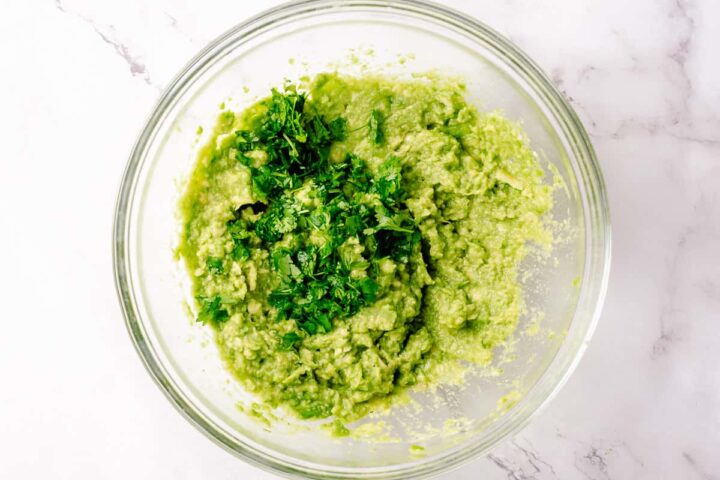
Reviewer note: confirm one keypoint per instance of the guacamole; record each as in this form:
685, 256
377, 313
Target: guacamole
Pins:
349, 237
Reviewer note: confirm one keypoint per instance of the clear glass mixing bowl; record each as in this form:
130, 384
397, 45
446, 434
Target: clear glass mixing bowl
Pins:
247, 61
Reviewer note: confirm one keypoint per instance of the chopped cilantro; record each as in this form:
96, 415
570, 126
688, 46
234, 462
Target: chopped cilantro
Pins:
240, 234
369, 288
211, 311
215, 265
338, 128
240, 251
289, 340
278, 220
375, 126
320, 281
387, 186
318, 284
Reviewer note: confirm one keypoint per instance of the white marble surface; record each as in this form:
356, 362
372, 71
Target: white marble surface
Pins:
79, 77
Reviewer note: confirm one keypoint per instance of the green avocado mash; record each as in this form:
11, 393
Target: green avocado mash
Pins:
349, 239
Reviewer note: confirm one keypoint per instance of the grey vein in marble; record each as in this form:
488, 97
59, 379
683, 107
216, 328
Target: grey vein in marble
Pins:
534, 459
668, 335
136, 66
175, 25
513, 472
697, 468
593, 465
679, 54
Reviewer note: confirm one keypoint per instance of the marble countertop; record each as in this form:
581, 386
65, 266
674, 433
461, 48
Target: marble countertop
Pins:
80, 76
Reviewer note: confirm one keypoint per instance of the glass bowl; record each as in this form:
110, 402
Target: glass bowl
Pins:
388, 36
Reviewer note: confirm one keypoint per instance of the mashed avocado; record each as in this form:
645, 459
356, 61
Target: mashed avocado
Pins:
348, 240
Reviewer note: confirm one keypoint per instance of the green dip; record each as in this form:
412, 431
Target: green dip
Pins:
352, 239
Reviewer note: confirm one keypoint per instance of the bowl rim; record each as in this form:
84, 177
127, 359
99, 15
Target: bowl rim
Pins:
590, 176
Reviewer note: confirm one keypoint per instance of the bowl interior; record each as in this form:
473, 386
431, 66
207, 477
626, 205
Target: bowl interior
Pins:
238, 70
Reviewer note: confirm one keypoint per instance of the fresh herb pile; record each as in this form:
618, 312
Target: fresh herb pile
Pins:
318, 284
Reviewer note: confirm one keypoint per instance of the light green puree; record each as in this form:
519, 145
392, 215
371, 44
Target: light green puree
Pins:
457, 194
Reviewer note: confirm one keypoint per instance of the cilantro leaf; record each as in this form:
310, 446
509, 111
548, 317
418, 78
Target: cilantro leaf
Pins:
338, 129
211, 311
240, 251
289, 340
215, 265
240, 233
369, 288
307, 260
278, 220
263, 181
284, 265
388, 185
244, 142
375, 126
